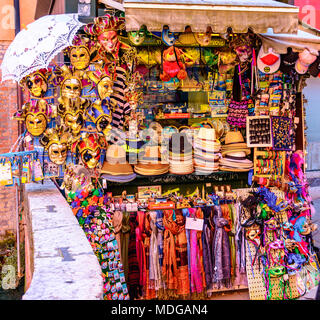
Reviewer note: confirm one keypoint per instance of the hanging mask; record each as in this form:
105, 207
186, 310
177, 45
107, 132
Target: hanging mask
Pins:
169, 38
103, 81
109, 41
36, 83
244, 53
137, 37
71, 85
79, 57
101, 115
71, 88
203, 39
80, 52
72, 113
56, 143
89, 147
36, 115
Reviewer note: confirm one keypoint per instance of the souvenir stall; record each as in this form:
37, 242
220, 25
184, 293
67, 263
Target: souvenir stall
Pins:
181, 152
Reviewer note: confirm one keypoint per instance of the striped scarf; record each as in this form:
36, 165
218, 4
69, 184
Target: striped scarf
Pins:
159, 225
118, 98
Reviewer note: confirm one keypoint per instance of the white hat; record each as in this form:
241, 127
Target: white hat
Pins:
268, 62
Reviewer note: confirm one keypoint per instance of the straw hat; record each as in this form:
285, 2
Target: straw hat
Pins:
234, 140
115, 162
207, 134
151, 169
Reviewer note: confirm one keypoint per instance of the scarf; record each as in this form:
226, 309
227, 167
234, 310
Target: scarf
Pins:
197, 276
124, 240
133, 265
148, 290
117, 224
140, 248
154, 267
221, 250
169, 268
159, 225
207, 239
182, 257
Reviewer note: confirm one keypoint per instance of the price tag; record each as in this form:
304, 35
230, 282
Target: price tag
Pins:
194, 224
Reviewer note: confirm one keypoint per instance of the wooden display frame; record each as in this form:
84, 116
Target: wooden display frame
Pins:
262, 145
258, 153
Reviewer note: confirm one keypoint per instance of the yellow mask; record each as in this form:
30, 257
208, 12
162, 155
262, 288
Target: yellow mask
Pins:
71, 88
79, 57
36, 124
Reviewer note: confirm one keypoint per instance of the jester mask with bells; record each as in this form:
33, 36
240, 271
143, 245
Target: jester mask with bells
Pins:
72, 113
56, 142
80, 52
36, 83
102, 79
71, 83
36, 115
89, 147
100, 114
105, 30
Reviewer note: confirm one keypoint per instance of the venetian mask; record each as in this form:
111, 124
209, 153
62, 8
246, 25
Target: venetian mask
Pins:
72, 113
109, 41
169, 38
74, 121
104, 87
203, 38
36, 114
56, 142
244, 53
36, 123
137, 37
100, 114
71, 88
79, 57
36, 84
89, 148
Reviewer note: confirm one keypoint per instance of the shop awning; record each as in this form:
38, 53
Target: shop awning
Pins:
298, 42
218, 14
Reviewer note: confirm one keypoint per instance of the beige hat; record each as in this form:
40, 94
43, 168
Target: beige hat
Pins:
234, 138
115, 162
206, 134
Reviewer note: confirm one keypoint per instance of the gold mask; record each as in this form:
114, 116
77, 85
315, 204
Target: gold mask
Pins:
74, 121
71, 88
36, 84
79, 57
104, 87
58, 153
56, 141
36, 123
72, 113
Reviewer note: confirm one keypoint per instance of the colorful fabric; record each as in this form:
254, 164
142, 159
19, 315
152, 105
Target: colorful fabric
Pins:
124, 240
140, 248
183, 289
133, 264
221, 251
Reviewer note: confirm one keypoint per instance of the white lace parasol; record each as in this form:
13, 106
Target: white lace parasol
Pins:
34, 48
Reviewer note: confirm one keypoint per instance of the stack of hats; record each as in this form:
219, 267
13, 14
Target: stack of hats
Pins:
180, 154
115, 167
234, 153
206, 151
150, 164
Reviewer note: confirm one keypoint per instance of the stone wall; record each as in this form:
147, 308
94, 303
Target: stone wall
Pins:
63, 264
